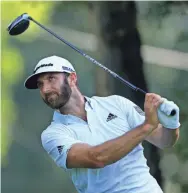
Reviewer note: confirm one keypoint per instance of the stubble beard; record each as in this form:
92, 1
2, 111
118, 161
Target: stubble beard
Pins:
60, 99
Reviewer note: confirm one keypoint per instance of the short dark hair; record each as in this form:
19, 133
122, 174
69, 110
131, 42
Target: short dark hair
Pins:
66, 74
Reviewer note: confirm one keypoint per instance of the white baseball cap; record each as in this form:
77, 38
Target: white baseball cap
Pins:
49, 64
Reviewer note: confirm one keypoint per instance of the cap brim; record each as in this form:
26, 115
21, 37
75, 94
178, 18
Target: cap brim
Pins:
31, 81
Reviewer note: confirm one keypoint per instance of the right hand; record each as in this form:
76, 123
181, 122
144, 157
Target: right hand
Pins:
152, 102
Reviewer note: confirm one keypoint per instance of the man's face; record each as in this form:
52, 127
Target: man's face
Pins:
54, 89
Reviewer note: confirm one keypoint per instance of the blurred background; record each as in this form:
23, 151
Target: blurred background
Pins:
144, 42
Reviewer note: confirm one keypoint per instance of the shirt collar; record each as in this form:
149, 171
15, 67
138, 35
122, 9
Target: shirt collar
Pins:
88, 100
70, 119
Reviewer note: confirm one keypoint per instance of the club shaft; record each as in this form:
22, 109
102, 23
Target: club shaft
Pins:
92, 60
89, 58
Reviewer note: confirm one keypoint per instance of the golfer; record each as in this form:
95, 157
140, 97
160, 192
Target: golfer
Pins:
98, 140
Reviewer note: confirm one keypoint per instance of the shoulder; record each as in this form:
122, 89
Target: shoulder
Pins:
52, 130
113, 99
110, 98
116, 103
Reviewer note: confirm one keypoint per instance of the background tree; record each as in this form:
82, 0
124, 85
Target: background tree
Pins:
122, 41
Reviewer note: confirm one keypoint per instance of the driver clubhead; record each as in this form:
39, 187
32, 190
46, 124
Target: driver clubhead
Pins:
19, 25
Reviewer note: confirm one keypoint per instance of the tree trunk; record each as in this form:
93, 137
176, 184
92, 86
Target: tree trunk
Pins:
120, 35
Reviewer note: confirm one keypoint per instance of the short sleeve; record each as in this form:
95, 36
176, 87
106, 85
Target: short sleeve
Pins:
134, 114
57, 141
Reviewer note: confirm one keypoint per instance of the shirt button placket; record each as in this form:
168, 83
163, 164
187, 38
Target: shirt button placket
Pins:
88, 119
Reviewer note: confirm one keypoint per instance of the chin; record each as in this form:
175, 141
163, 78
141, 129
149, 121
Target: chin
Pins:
54, 106
57, 106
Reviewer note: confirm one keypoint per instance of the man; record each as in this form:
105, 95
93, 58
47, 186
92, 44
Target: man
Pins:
98, 140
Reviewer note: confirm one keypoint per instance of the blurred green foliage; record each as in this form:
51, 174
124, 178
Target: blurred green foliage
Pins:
12, 62
165, 24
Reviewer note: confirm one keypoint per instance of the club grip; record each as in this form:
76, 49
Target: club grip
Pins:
173, 112
168, 108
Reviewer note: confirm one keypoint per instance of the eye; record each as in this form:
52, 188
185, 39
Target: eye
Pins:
39, 84
51, 78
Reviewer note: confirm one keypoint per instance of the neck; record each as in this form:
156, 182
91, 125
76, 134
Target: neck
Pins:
75, 106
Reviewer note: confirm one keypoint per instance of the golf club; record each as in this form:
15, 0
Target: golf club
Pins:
21, 23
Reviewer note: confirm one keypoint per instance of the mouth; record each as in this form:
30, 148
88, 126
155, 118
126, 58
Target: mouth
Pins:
51, 98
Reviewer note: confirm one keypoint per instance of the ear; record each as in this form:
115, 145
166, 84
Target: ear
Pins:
72, 79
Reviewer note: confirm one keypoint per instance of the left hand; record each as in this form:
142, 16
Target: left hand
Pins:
168, 121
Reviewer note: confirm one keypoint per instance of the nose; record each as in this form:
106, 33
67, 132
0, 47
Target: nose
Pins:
45, 88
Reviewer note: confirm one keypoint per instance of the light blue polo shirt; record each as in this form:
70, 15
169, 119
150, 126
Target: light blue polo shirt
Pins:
108, 118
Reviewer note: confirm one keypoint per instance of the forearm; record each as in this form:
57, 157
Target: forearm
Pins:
169, 137
113, 150
163, 137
